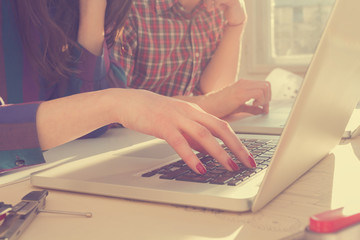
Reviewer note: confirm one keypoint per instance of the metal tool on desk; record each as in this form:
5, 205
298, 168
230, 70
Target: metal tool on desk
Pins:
17, 218
335, 224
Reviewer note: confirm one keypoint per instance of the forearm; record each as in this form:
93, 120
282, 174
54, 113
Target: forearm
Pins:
68, 118
179, 123
233, 98
210, 103
223, 68
91, 25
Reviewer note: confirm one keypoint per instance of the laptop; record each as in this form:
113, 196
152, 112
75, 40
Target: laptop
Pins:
285, 86
274, 122
326, 99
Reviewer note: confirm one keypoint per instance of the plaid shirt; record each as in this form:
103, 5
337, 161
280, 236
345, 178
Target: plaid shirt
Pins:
164, 49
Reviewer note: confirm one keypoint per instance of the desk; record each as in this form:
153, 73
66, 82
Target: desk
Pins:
326, 186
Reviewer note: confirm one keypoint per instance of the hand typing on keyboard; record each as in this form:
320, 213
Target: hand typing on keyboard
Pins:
185, 126
216, 173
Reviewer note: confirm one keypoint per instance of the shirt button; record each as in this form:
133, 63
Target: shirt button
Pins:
20, 163
197, 54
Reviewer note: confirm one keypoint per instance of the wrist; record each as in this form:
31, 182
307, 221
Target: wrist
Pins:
113, 101
209, 102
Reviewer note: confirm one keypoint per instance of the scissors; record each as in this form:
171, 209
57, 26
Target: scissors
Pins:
17, 218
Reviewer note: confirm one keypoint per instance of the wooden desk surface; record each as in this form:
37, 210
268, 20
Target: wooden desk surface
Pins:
326, 186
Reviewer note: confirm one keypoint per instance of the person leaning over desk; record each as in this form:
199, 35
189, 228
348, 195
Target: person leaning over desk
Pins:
188, 49
53, 63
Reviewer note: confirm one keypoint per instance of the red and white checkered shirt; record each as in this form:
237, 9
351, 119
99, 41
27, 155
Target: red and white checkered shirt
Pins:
165, 49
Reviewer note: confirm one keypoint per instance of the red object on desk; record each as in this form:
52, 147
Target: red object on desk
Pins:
332, 221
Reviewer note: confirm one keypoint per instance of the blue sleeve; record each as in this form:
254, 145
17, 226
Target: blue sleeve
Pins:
19, 145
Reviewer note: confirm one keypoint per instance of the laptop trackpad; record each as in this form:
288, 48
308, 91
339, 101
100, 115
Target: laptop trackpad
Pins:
158, 150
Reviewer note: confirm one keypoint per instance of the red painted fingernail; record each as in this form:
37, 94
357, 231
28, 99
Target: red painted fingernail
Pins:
201, 168
252, 161
233, 165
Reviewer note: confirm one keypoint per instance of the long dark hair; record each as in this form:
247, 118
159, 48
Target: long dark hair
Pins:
55, 23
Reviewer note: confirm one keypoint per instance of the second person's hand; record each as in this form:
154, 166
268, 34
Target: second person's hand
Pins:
235, 98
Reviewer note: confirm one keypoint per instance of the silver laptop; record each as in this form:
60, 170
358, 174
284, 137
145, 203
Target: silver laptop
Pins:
285, 86
274, 122
329, 93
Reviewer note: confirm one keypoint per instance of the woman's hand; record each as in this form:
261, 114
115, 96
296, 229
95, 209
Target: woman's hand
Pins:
250, 96
184, 126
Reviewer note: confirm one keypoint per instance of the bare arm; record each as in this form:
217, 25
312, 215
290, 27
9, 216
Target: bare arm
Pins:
222, 69
181, 124
64, 119
91, 25
232, 99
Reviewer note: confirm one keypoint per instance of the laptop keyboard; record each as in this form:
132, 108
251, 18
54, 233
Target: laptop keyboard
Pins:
262, 151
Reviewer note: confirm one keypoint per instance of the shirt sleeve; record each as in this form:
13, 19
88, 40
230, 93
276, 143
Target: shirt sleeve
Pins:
19, 144
90, 70
123, 56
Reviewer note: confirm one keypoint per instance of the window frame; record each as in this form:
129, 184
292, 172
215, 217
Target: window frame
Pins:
258, 41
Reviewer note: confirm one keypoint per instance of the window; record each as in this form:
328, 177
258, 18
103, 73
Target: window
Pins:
284, 33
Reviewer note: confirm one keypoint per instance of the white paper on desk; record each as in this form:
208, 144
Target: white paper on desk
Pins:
285, 85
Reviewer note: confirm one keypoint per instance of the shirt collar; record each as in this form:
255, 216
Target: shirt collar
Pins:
162, 6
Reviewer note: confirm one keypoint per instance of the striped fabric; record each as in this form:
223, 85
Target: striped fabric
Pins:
22, 90
164, 49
